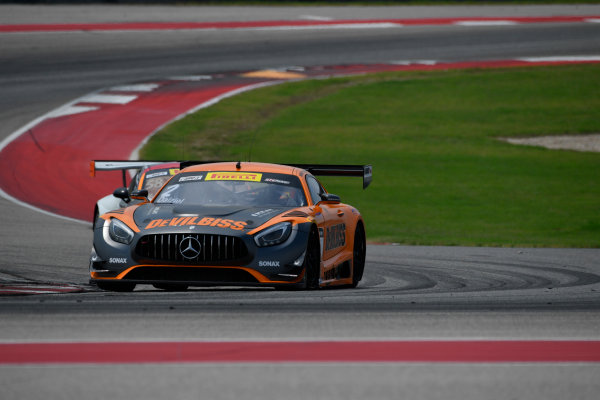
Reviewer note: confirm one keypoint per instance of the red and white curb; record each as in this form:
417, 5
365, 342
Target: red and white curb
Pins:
307, 22
37, 288
389, 351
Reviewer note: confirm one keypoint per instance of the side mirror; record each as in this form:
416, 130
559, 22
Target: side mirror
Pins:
123, 194
330, 198
140, 195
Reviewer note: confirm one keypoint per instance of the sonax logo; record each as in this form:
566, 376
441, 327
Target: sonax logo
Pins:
233, 176
268, 263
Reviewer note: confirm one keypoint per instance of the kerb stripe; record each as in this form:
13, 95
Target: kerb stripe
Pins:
297, 351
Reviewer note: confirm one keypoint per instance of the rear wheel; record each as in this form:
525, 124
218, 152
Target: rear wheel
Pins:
116, 286
359, 254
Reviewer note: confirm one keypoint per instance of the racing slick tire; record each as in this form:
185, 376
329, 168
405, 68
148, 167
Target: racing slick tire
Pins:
359, 255
312, 261
312, 264
171, 287
116, 286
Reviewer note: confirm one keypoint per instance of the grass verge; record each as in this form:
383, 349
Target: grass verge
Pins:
440, 174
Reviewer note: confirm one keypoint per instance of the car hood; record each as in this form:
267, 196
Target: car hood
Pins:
154, 218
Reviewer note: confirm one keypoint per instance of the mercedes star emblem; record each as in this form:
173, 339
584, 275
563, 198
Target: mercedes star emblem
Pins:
190, 247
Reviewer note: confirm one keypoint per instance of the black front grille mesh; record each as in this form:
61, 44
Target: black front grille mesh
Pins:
214, 249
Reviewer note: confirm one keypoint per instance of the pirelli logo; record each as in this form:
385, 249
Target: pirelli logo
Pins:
233, 176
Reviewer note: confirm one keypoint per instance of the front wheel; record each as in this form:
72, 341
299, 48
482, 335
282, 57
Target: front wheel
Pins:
312, 261
359, 254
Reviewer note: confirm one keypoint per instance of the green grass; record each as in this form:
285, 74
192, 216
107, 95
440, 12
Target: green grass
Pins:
440, 175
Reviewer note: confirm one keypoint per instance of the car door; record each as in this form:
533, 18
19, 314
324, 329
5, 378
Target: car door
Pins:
332, 227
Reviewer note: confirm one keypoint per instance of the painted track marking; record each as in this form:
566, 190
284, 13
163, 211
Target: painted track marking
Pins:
300, 351
14, 288
304, 24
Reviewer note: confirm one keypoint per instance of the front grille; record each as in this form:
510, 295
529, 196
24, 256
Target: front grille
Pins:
213, 249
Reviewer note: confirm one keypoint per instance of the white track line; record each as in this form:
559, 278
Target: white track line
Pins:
560, 59
316, 18
191, 78
69, 110
107, 98
142, 87
485, 23
414, 62
374, 25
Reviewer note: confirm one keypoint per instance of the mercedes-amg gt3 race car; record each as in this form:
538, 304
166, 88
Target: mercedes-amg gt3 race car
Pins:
234, 224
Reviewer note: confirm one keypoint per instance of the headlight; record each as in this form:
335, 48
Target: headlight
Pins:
276, 234
119, 232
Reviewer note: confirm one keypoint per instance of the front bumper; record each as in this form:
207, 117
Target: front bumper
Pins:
261, 266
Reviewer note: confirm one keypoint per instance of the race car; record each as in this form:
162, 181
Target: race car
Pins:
234, 224
150, 176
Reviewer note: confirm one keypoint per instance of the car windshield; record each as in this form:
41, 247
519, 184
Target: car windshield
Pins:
233, 188
156, 178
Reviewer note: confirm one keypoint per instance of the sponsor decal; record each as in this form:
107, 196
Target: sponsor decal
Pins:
197, 221
173, 171
191, 178
336, 236
263, 213
281, 182
117, 260
155, 174
269, 264
233, 176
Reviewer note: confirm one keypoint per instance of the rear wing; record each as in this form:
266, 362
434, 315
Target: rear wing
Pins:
364, 171
107, 165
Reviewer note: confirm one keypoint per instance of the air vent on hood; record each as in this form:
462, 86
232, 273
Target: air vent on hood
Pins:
296, 214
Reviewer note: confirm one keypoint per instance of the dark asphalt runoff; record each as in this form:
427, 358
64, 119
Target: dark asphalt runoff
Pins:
408, 293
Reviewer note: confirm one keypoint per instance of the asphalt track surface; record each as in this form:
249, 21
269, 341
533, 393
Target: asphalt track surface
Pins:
409, 293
